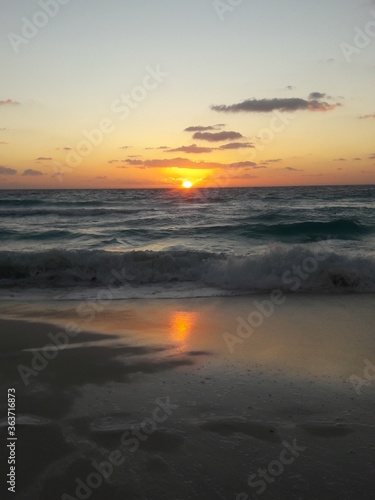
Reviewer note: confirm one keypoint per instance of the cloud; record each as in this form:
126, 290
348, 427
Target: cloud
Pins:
124, 147
290, 104
175, 163
9, 102
43, 158
193, 148
226, 178
317, 96
134, 162
185, 163
357, 159
339, 159
32, 173
372, 157
289, 87
66, 148
101, 177
159, 147
200, 128
217, 136
4, 143
245, 176
7, 171
243, 164
113, 161
237, 145
291, 169
364, 117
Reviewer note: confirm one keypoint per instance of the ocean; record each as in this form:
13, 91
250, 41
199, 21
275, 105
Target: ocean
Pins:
161, 243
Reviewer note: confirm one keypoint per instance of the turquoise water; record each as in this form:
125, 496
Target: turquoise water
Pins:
188, 242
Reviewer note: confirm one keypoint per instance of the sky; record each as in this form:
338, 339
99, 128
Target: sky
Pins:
220, 93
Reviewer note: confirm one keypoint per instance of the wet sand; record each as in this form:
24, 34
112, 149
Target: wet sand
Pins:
221, 398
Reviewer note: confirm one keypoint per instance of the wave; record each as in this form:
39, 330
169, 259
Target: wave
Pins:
68, 212
291, 269
22, 202
311, 230
301, 232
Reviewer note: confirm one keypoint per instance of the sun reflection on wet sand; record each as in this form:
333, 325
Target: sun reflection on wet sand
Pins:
181, 327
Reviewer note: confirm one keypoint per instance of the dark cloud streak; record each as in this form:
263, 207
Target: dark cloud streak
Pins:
283, 105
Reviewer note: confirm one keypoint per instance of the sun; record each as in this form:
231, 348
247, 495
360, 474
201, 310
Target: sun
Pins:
187, 184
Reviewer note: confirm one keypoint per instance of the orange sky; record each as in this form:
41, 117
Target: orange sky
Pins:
145, 104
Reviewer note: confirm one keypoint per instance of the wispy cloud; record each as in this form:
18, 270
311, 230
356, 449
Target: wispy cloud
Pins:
232, 177
193, 149
365, 117
4, 143
339, 159
237, 145
44, 158
186, 163
200, 128
174, 163
243, 164
7, 171
9, 102
32, 173
135, 162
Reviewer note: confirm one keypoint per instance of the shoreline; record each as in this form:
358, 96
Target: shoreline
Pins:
228, 416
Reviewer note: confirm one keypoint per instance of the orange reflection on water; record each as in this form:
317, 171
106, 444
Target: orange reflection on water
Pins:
181, 325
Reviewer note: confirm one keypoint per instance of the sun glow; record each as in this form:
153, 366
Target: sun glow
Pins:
187, 184
181, 325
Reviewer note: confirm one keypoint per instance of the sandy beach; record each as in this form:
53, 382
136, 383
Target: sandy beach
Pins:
213, 398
